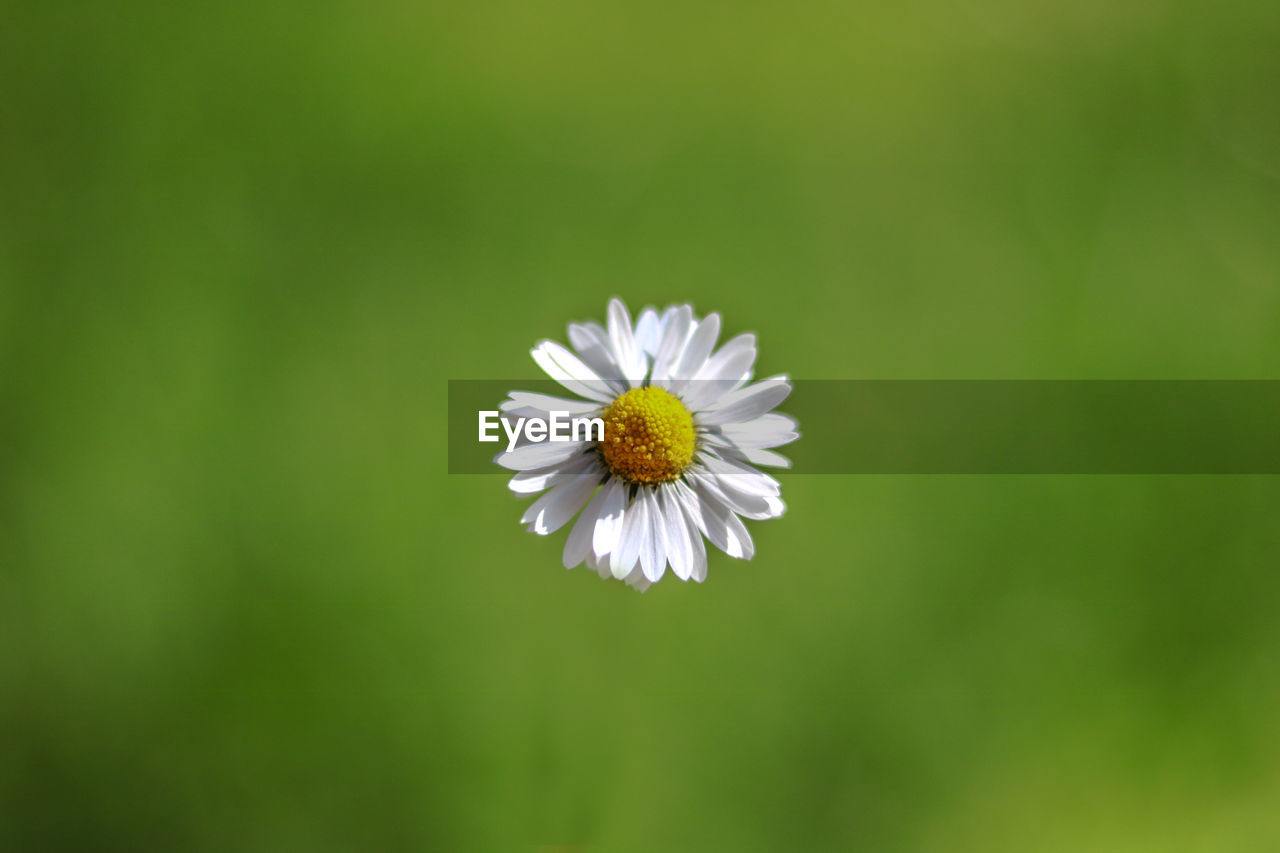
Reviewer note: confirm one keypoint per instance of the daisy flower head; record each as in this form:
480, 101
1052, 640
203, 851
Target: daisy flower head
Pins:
684, 428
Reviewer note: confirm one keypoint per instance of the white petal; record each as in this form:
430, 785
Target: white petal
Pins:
586, 335
595, 564
771, 430
591, 342
577, 545
700, 345
653, 555
676, 532
648, 331
721, 373
604, 537
727, 449
739, 539
674, 334
625, 349
635, 523
537, 479
745, 479
514, 413
747, 403
667, 314
554, 509
718, 366
539, 455
704, 392
547, 403
714, 439
718, 523
698, 558
692, 506
637, 581
712, 491
570, 371
760, 456
750, 505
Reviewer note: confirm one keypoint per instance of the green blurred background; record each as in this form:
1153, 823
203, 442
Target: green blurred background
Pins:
243, 246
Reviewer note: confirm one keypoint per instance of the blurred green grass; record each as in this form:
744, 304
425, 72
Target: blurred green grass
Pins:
243, 247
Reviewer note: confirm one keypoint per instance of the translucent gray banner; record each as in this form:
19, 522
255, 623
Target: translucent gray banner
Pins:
981, 426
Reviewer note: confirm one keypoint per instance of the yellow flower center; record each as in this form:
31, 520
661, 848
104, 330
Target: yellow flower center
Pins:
648, 436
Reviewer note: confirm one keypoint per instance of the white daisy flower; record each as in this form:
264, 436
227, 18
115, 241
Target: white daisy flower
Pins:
683, 431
